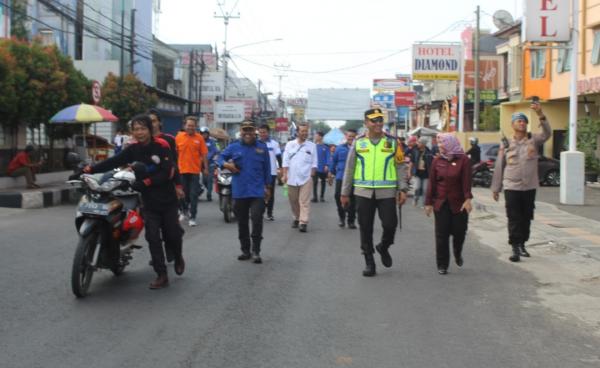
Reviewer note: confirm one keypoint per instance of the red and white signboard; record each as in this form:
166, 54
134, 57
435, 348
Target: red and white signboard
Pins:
96, 92
405, 99
546, 21
281, 124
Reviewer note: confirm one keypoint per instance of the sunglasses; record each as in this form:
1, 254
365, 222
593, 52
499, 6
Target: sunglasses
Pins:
377, 120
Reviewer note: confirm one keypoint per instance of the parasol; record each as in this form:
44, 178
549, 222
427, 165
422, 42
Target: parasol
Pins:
218, 133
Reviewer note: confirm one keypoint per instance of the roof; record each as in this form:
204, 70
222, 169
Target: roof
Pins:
190, 47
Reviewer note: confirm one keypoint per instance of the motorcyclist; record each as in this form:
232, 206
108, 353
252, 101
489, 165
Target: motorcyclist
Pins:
475, 151
213, 152
155, 183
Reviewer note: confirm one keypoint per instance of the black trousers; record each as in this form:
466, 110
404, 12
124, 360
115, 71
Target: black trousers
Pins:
246, 209
271, 203
343, 213
449, 224
386, 208
322, 177
520, 206
167, 223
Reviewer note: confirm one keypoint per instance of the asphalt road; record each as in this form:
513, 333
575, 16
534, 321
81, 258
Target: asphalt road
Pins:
307, 305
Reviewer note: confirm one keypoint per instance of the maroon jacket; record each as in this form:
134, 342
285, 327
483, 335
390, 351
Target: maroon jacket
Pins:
449, 181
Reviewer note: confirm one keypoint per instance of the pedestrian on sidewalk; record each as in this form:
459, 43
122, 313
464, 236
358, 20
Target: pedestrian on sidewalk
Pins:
192, 152
158, 194
322, 167
211, 161
449, 197
516, 172
275, 161
420, 159
299, 167
22, 165
338, 165
376, 169
248, 160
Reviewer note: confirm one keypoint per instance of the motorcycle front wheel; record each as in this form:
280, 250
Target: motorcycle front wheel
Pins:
227, 210
82, 270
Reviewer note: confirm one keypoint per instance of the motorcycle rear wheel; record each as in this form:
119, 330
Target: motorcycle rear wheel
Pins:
82, 270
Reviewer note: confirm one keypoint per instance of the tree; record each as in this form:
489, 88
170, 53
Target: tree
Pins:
490, 118
126, 96
18, 21
321, 127
588, 131
353, 124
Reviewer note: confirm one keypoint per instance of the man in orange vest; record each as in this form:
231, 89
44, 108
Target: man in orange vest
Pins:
192, 151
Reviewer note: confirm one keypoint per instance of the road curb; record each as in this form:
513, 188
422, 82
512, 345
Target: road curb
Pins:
39, 198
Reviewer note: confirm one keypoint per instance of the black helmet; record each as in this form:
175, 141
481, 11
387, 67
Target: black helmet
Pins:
473, 141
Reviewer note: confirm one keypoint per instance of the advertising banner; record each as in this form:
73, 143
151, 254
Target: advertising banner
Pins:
546, 21
229, 112
436, 62
384, 100
406, 99
391, 85
212, 84
489, 74
485, 95
281, 124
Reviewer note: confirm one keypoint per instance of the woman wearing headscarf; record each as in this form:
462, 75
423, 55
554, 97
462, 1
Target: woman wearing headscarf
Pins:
449, 197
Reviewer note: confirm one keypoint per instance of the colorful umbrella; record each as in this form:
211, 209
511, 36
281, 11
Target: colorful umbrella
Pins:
83, 113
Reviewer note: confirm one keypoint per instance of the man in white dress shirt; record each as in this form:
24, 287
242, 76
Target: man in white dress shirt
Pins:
299, 168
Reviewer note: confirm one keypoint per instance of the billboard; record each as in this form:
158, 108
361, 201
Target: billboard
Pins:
337, 103
391, 85
546, 21
229, 112
436, 62
489, 73
384, 100
212, 84
405, 99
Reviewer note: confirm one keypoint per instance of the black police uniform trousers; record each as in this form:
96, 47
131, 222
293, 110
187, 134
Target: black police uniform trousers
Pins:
322, 177
386, 207
520, 205
345, 213
449, 224
271, 203
165, 221
249, 209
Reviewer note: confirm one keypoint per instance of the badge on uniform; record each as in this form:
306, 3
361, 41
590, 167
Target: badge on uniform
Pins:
363, 144
260, 151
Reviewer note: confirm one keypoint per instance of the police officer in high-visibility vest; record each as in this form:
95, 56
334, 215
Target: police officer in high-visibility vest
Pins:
375, 167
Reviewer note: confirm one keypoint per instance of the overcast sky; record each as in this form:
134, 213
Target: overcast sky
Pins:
322, 36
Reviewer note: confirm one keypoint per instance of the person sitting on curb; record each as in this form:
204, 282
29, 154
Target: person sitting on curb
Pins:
21, 165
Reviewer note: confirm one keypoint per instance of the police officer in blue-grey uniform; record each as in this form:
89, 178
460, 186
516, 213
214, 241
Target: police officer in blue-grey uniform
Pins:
338, 164
211, 157
249, 160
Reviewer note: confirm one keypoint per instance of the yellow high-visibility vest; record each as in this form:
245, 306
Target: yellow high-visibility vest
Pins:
375, 164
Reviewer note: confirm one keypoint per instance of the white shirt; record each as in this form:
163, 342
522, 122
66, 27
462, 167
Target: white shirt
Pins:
300, 159
274, 150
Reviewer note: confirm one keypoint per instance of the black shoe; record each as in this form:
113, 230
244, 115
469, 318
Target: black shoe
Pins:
523, 252
295, 224
244, 257
303, 228
314, 200
459, 261
351, 225
516, 256
386, 258
162, 281
270, 218
342, 223
209, 199
442, 271
322, 199
179, 266
256, 258
370, 269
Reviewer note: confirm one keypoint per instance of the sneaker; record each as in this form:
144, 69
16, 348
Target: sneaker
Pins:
256, 258
270, 218
351, 226
192, 222
244, 257
182, 216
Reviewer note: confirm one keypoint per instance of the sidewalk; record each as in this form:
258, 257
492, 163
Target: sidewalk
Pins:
51, 194
564, 247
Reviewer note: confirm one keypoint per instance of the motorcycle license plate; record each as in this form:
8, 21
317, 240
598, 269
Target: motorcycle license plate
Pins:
100, 209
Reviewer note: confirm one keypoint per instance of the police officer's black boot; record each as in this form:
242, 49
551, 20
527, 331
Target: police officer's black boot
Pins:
523, 252
370, 265
516, 256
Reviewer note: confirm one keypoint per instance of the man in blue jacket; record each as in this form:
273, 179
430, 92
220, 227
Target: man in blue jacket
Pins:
213, 152
322, 167
338, 163
248, 159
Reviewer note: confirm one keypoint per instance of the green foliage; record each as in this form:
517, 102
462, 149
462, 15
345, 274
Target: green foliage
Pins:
353, 124
126, 97
588, 131
490, 119
321, 127
18, 27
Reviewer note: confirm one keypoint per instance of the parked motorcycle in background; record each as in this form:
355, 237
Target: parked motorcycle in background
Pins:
224, 178
482, 175
108, 221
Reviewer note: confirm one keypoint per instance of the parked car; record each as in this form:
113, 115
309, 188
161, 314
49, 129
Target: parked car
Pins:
548, 168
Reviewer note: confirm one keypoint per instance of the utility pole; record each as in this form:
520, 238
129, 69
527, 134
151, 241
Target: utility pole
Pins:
122, 70
476, 101
190, 82
226, 17
202, 68
132, 49
281, 76
79, 31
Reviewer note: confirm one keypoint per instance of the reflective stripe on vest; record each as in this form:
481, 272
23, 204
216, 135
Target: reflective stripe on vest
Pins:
375, 164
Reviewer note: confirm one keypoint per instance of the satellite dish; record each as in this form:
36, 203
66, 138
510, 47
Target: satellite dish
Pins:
503, 19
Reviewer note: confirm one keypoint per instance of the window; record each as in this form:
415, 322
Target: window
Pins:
37, 135
596, 48
564, 60
538, 64
47, 36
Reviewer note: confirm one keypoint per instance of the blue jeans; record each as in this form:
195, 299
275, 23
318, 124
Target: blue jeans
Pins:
190, 184
420, 190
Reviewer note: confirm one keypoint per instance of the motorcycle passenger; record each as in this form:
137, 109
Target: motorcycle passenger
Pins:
156, 185
475, 151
